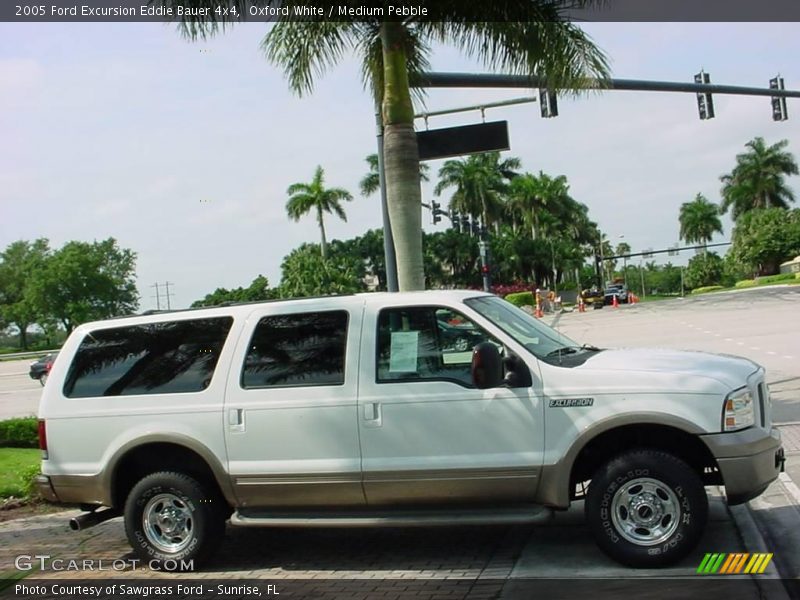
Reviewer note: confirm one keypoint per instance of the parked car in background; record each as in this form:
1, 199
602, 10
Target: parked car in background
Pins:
41, 368
620, 290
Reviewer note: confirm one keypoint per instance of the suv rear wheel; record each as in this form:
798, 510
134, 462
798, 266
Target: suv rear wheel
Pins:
646, 508
174, 520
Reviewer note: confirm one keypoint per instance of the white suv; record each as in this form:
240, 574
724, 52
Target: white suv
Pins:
360, 410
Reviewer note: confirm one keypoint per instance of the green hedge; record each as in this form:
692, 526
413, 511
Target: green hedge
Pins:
747, 283
522, 299
707, 288
774, 278
19, 433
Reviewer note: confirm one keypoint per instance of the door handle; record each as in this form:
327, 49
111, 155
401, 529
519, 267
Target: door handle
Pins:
236, 420
372, 414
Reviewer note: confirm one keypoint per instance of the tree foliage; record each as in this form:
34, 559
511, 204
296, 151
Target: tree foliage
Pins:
704, 269
257, 291
18, 263
763, 239
758, 179
315, 197
699, 220
304, 274
85, 281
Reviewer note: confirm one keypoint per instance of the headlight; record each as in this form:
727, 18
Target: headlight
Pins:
737, 412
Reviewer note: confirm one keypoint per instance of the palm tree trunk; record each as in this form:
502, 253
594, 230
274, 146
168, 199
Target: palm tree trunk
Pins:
322, 231
403, 193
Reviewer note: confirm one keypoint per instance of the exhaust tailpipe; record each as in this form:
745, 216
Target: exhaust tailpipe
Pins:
91, 519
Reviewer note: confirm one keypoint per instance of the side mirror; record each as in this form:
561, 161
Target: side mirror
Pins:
517, 373
487, 366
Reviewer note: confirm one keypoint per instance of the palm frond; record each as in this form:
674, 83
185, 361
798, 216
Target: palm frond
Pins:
305, 50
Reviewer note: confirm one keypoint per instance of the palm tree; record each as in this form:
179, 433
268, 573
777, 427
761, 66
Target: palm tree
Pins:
529, 37
757, 180
699, 220
481, 183
532, 195
305, 197
370, 183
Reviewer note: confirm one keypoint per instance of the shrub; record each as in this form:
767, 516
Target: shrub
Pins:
774, 278
19, 433
521, 299
746, 283
706, 289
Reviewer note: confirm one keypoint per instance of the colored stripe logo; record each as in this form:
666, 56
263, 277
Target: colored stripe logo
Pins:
734, 563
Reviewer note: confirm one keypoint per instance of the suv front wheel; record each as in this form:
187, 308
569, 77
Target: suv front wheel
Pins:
646, 508
173, 521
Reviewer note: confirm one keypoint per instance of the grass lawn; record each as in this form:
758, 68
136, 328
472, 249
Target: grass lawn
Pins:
16, 466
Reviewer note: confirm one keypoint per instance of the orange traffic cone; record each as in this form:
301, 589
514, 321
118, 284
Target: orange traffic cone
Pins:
581, 305
615, 302
632, 298
539, 314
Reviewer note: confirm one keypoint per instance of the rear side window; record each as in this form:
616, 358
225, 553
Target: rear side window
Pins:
157, 358
301, 349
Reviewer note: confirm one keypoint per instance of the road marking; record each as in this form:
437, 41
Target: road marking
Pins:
717, 335
771, 352
787, 357
706, 331
740, 343
754, 348
728, 339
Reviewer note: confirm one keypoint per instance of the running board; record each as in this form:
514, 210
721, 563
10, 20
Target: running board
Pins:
393, 518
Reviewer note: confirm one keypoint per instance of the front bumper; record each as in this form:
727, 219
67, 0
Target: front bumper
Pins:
749, 460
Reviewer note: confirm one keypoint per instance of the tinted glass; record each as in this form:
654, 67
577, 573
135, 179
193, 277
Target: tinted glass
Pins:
426, 343
297, 350
158, 358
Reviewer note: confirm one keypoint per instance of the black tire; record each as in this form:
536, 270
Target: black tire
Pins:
195, 513
43, 379
646, 508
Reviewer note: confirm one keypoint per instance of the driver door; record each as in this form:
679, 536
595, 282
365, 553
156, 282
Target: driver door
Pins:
427, 434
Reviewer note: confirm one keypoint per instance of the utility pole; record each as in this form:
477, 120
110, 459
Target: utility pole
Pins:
158, 296
168, 294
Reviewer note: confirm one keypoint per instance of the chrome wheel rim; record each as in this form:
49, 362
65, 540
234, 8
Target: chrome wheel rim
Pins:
168, 523
462, 345
43, 378
645, 511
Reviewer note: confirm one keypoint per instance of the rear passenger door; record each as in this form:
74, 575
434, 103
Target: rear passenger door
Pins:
290, 408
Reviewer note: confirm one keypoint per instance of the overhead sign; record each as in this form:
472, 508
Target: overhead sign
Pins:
466, 139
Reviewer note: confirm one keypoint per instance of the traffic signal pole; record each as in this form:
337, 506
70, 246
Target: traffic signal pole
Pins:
493, 80
498, 81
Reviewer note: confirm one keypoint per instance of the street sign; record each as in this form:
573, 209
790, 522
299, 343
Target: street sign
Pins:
466, 139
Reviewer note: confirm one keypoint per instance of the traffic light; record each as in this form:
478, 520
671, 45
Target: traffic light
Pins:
476, 227
705, 103
464, 224
548, 103
455, 220
779, 112
435, 212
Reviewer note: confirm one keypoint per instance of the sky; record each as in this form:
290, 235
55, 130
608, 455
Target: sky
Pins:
183, 151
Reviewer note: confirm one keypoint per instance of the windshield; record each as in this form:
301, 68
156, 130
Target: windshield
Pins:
542, 341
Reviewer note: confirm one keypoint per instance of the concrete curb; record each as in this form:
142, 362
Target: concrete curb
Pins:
755, 542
